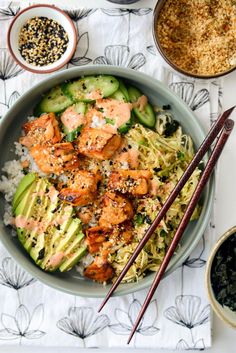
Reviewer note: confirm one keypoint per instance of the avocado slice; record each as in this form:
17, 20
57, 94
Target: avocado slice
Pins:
64, 239
73, 260
37, 248
38, 211
58, 231
25, 207
69, 235
61, 233
25, 182
75, 244
25, 201
45, 241
70, 254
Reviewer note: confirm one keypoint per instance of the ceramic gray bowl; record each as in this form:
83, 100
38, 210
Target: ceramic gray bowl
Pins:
159, 94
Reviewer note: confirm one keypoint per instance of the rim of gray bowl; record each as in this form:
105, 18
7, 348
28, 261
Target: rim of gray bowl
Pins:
155, 85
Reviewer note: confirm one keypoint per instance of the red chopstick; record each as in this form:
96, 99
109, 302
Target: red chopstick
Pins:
227, 129
214, 131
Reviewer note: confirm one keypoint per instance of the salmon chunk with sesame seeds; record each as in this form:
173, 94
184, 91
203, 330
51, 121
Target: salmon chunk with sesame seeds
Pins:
99, 239
135, 182
98, 144
116, 209
126, 234
82, 189
43, 130
99, 270
85, 214
56, 158
96, 237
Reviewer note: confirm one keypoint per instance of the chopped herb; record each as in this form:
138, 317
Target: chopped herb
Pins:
139, 219
142, 142
180, 156
110, 121
163, 233
71, 136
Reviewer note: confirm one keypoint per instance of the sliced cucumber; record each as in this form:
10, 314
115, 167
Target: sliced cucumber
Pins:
146, 116
80, 107
124, 90
53, 102
81, 89
72, 135
119, 96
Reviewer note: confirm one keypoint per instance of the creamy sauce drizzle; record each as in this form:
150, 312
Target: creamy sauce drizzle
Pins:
118, 112
71, 119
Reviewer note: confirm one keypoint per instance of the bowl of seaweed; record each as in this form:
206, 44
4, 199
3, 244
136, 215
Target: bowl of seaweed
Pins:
221, 277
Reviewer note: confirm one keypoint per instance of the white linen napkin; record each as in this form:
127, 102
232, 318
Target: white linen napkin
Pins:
179, 315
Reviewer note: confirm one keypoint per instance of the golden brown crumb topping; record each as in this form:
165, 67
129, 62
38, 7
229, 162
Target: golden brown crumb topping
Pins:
199, 36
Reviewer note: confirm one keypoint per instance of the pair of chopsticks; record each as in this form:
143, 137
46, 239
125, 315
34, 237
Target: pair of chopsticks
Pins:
224, 126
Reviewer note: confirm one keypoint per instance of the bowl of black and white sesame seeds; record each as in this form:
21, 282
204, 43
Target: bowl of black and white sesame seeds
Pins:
42, 38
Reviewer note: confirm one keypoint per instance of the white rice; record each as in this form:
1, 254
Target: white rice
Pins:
13, 173
24, 155
97, 122
84, 262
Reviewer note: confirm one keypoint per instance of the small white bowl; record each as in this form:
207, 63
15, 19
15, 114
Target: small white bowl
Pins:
223, 312
53, 13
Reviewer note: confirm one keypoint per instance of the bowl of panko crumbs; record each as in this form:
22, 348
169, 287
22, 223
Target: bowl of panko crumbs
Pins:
197, 37
42, 38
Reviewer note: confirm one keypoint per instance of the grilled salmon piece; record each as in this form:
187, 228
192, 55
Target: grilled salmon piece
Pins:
131, 157
116, 209
98, 144
135, 182
82, 189
56, 158
100, 272
43, 130
121, 234
85, 215
95, 238
99, 239
126, 233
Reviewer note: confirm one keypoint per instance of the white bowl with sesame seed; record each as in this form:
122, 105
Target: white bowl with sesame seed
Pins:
42, 38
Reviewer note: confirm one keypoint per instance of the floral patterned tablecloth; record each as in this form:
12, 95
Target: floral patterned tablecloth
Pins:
179, 314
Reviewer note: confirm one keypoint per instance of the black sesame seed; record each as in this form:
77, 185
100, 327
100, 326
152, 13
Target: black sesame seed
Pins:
41, 254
